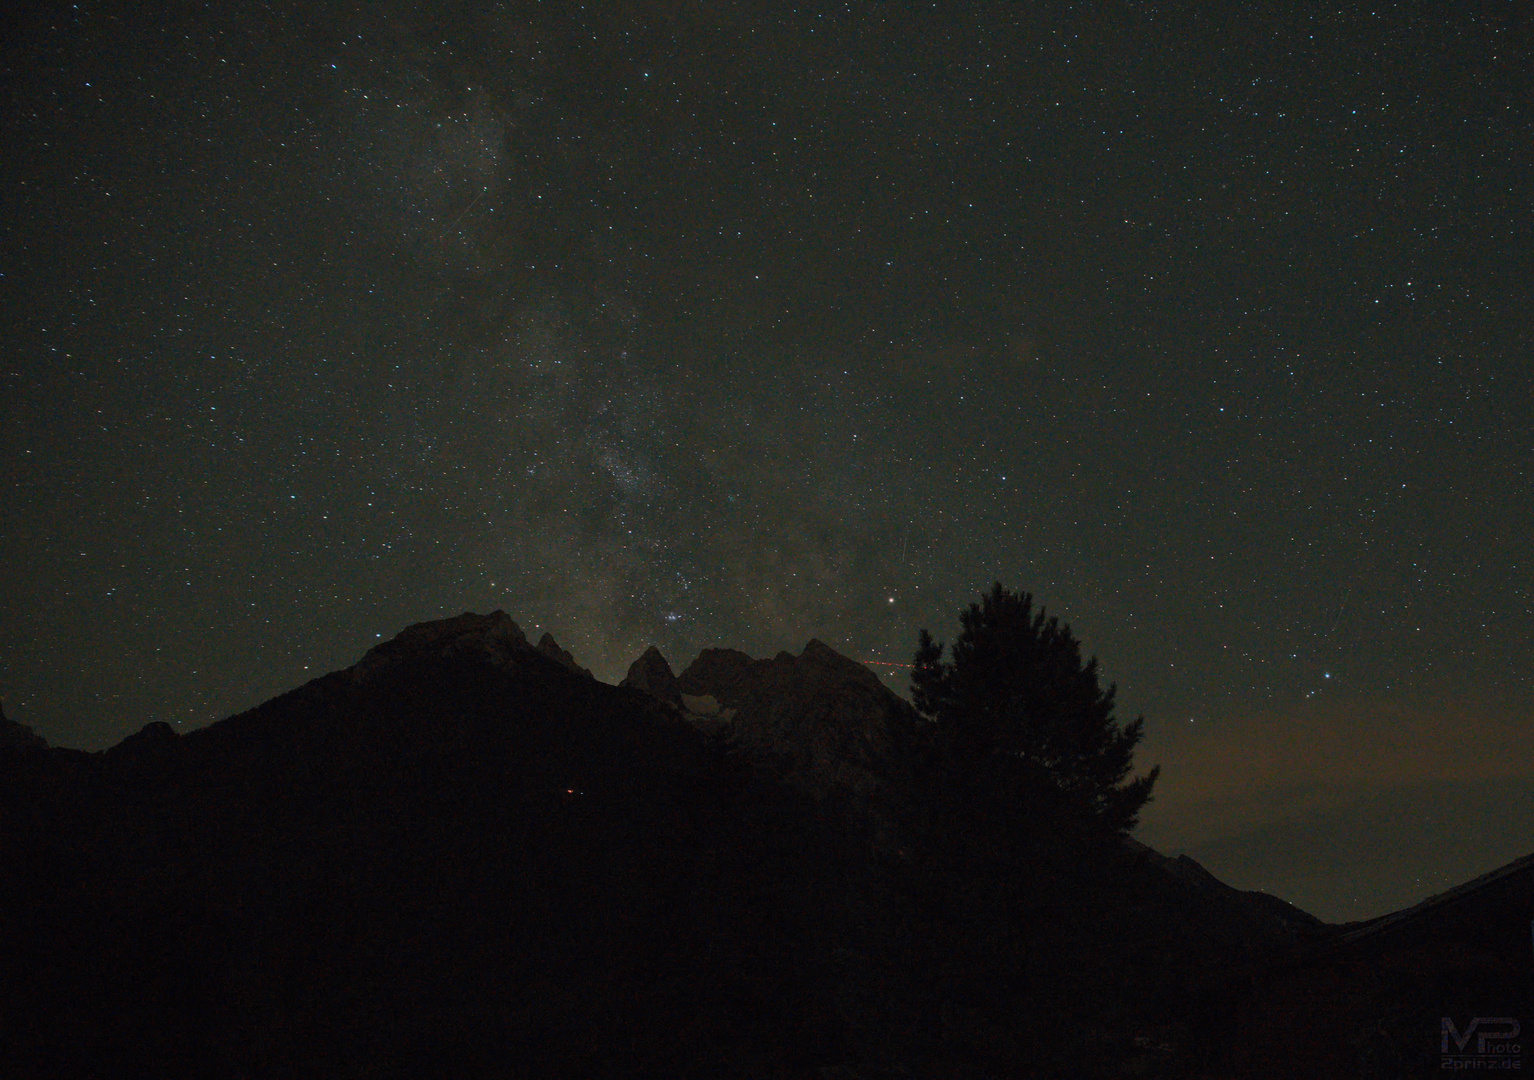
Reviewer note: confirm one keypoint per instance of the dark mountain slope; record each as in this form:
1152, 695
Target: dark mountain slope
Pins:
1369, 1001
466, 857
14, 736
458, 858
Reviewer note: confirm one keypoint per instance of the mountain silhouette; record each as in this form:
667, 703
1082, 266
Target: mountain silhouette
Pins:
14, 736
465, 856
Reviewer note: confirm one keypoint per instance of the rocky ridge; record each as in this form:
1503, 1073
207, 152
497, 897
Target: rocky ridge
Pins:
495, 638
14, 736
827, 718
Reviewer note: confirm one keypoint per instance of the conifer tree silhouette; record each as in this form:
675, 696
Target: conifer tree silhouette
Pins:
1016, 688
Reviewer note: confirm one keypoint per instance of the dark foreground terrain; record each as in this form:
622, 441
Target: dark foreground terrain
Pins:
465, 857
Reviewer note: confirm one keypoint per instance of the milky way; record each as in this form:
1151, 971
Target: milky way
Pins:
651, 325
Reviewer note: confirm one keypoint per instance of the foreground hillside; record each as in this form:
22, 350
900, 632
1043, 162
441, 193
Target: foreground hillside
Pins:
464, 856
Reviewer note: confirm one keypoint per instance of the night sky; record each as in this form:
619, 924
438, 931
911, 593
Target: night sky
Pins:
722, 324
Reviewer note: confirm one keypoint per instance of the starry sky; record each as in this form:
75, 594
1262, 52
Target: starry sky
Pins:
740, 324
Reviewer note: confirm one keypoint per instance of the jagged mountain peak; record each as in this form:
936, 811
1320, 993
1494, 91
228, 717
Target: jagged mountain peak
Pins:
550, 648
828, 715
495, 637
727, 674
496, 625
653, 675
818, 652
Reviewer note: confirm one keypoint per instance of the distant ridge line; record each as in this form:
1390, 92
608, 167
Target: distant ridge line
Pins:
1379, 924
